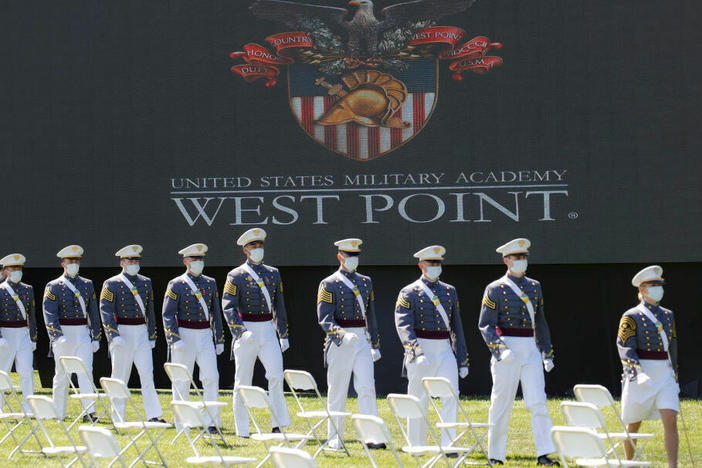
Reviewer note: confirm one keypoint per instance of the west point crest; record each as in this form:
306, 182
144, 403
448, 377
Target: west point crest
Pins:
361, 85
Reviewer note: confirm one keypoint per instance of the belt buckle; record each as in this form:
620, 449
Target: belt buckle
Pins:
15, 297
135, 292
356, 292
77, 293
259, 283
198, 295
525, 298
435, 300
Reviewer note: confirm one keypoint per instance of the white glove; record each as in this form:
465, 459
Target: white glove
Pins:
548, 365
375, 353
349, 339
153, 344
246, 336
117, 341
4, 343
219, 348
421, 361
506, 355
284, 344
463, 372
177, 345
61, 341
96, 346
34, 345
642, 378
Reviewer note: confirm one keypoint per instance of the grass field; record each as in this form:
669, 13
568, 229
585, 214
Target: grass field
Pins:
520, 450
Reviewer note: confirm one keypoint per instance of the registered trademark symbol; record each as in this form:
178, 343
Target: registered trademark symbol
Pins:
573, 215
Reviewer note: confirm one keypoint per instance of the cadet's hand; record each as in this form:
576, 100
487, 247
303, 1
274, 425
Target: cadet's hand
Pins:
642, 378
507, 355
4, 343
375, 354
284, 344
177, 345
246, 337
61, 341
34, 345
152, 343
219, 348
422, 360
349, 339
548, 365
463, 372
117, 341
96, 346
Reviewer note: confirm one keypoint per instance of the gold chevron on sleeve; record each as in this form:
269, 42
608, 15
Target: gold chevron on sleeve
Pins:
627, 329
324, 296
230, 288
48, 295
488, 303
108, 295
171, 294
402, 302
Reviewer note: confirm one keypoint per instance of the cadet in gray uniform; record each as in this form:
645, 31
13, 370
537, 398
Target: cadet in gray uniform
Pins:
648, 348
513, 325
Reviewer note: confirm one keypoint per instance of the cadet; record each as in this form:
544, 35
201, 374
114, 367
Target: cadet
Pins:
18, 324
191, 319
513, 325
428, 322
127, 310
254, 309
73, 324
648, 348
346, 313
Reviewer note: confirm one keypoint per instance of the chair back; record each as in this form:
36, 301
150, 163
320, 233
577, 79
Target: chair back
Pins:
253, 397
299, 380
582, 415
177, 372
114, 388
371, 429
42, 407
406, 406
577, 442
99, 441
595, 394
5, 382
438, 387
187, 414
284, 457
73, 365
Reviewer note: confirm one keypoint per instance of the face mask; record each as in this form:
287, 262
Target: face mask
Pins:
433, 272
256, 255
16, 276
655, 293
351, 263
72, 269
519, 266
132, 269
196, 267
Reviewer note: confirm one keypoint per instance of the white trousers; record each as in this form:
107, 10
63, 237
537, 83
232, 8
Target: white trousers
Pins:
136, 350
342, 361
198, 347
441, 362
78, 343
527, 368
643, 401
20, 351
265, 346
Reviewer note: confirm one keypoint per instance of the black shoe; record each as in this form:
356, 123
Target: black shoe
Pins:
495, 461
275, 430
91, 418
373, 446
544, 460
212, 430
157, 420
452, 455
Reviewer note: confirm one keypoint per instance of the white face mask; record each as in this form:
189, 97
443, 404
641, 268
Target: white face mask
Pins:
72, 269
351, 263
196, 267
16, 276
256, 255
655, 293
132, 269
433, 272
519, 266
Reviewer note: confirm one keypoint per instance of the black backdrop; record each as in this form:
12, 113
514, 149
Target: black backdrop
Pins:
583, 305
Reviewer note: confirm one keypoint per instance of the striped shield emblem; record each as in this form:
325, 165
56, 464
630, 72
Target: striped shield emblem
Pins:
365, 113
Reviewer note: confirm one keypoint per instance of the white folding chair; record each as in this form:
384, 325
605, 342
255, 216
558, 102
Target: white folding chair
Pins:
13, 410
302, 380
180, 373
189, 416
75, 365
585, 448
116, 389
440, 388
408, 407
43, 409
284, 457
372, 430
255, 397
101, 443
599, 396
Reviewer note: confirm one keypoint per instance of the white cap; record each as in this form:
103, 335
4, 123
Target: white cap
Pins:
433, 252
650, 273
252, 235
195, 250
14, 259
513, 247
349, 245
72, 251
129, 251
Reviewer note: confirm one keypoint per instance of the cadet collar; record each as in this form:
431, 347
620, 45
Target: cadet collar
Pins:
72, 280
193, 277
347, 273
130, 277
649, 306
252, 264
429, 282
516, 279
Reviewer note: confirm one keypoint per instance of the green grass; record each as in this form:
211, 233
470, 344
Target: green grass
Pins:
520, 451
